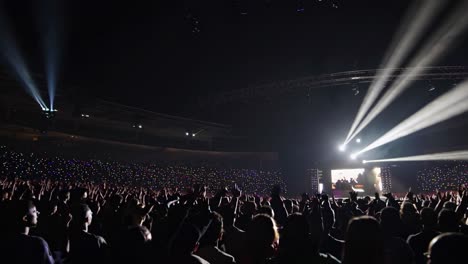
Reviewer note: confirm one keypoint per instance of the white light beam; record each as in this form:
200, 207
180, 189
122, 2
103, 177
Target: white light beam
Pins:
454, 155
444, 107
418, 18
444, 39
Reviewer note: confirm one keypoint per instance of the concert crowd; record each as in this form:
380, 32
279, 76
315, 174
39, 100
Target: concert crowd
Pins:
142, 174
443, 177
62, 214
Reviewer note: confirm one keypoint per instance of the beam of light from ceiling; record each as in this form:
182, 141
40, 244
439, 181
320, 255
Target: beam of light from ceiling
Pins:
446, 106
8, 48
51, 73
453, 155
446, 37
411, 29
51, 25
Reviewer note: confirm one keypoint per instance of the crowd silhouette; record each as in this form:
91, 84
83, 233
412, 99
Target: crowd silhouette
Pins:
81, 222
46, 220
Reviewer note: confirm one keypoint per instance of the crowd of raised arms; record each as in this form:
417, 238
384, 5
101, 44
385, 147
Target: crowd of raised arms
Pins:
155, 175
82, 221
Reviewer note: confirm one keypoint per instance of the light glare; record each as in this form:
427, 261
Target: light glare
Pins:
453, 155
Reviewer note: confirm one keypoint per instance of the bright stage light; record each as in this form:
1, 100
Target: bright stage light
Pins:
438, 44
416, 19
187, 134
364, 161
358, 140
342, 148
444, 107
140, 126
453, 155
193, 134
353, 156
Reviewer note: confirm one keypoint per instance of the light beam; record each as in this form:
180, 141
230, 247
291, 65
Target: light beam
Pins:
445, 38
446, 106
453, 155
418, 17
51, 25
16, 61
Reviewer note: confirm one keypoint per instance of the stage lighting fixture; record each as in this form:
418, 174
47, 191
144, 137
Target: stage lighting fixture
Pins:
358, 140
193, 134
364, 161
85, 115
342, 148
353, 156
140, 126
49, 113
187, 134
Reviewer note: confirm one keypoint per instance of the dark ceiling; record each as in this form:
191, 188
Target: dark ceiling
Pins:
163, 55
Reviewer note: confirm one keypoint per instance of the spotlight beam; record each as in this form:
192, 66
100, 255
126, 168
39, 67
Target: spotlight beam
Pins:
16, 61
418, 18
444, 107
445, 37
453, 155
51, 25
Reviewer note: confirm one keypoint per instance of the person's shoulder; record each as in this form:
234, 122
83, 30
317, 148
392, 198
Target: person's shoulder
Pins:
225, 256
100, 239
198, 260
328, 259
414, 237
38, 240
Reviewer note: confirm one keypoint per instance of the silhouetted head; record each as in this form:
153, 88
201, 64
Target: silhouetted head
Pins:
78, 195
390, 221
249, 208
22, 213
448, 221
448, 248
261, 234
185, 241
363, 241
82, 215
276, 190
214, 231
426, 203
408, 210
428, 218
295, 233
267, 210
116, 200
64, 195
